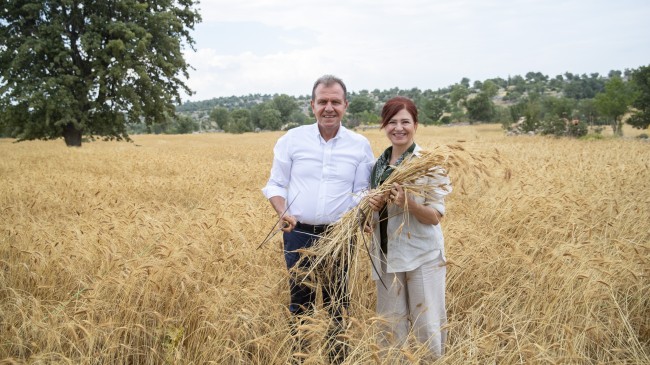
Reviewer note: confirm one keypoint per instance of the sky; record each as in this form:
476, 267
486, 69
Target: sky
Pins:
282, 46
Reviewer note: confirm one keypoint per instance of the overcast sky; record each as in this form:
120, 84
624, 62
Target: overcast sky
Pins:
282, 46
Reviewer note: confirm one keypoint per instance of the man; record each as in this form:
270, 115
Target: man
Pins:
318, 171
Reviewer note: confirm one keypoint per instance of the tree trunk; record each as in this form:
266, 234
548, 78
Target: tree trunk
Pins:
71, 135
618, 127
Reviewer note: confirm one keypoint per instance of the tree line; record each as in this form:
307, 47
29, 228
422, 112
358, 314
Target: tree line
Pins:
563, 105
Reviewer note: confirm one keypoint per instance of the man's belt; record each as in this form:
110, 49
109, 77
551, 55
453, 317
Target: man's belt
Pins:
313, 229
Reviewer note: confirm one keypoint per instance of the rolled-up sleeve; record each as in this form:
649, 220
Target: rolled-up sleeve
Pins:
280, 171
439, 186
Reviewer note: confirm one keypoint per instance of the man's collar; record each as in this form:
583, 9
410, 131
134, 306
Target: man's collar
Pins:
339, 133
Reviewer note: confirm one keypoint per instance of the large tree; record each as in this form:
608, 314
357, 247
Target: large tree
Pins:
614, 102
361, 110
286, 105
360, 104
433, 109
77, 67
221, 116
641, 117
480, 108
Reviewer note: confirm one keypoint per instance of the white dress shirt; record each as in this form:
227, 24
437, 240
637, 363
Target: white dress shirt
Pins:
321, 180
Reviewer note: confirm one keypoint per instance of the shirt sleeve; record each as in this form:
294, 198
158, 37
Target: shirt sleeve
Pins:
362, 175
439, 186
280, 171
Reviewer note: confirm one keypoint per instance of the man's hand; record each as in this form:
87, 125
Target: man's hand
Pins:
288, 223
368, 227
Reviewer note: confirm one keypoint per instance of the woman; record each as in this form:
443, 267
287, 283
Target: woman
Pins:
408, 251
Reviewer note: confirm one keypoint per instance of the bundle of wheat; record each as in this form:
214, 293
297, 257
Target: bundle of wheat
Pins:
336, 251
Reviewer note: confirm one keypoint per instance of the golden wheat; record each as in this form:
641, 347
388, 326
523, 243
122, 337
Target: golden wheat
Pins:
147, 253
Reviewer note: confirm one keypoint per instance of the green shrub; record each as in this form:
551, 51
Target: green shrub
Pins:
577, 130
553, 125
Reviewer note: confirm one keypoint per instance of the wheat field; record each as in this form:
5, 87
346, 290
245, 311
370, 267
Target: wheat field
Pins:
147, 253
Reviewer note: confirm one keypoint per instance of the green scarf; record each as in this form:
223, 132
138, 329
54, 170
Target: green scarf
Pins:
382, 169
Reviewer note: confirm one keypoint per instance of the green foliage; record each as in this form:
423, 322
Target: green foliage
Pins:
180, 124
89, 68
458, 116
558, 107
532, 100
532, 116
557, 83
368, 117
583, 87
640, 119
360, 104
239, 122
480, 108
518, 83
501, 114
298, 118
517, 111
433, 109
221, 116
614, 102
271, 119
184, 124
228, 102
578, 129
458, 95
526, 115
361, 110
554, 125
512, 96
586, 110
490, 88
547, 116
285, 105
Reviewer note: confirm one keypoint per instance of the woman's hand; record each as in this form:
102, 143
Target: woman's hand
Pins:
424, 214
376, 200
397, 195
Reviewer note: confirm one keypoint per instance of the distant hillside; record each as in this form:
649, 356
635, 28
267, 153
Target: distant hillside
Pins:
544, 103
509, 91
229, 102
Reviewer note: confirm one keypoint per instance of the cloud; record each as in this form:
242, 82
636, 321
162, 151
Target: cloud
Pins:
277, 46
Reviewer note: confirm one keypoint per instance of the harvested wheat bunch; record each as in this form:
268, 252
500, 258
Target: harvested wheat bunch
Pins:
337, 249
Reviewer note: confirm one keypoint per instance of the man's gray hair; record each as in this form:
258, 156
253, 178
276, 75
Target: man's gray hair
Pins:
328, 80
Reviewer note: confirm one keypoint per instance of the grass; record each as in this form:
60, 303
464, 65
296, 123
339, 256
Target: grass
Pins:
116, 253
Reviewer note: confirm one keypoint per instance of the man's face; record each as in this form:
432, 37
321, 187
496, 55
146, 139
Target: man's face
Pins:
329, 106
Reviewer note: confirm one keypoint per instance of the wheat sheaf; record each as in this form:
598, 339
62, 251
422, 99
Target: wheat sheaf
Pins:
339, 247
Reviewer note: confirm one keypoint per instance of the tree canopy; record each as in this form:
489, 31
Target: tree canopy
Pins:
74, 68
641, 117
614, 102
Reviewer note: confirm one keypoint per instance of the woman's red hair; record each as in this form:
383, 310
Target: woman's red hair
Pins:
394, 105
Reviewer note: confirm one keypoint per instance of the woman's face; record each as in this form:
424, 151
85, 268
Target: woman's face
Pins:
400, 130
